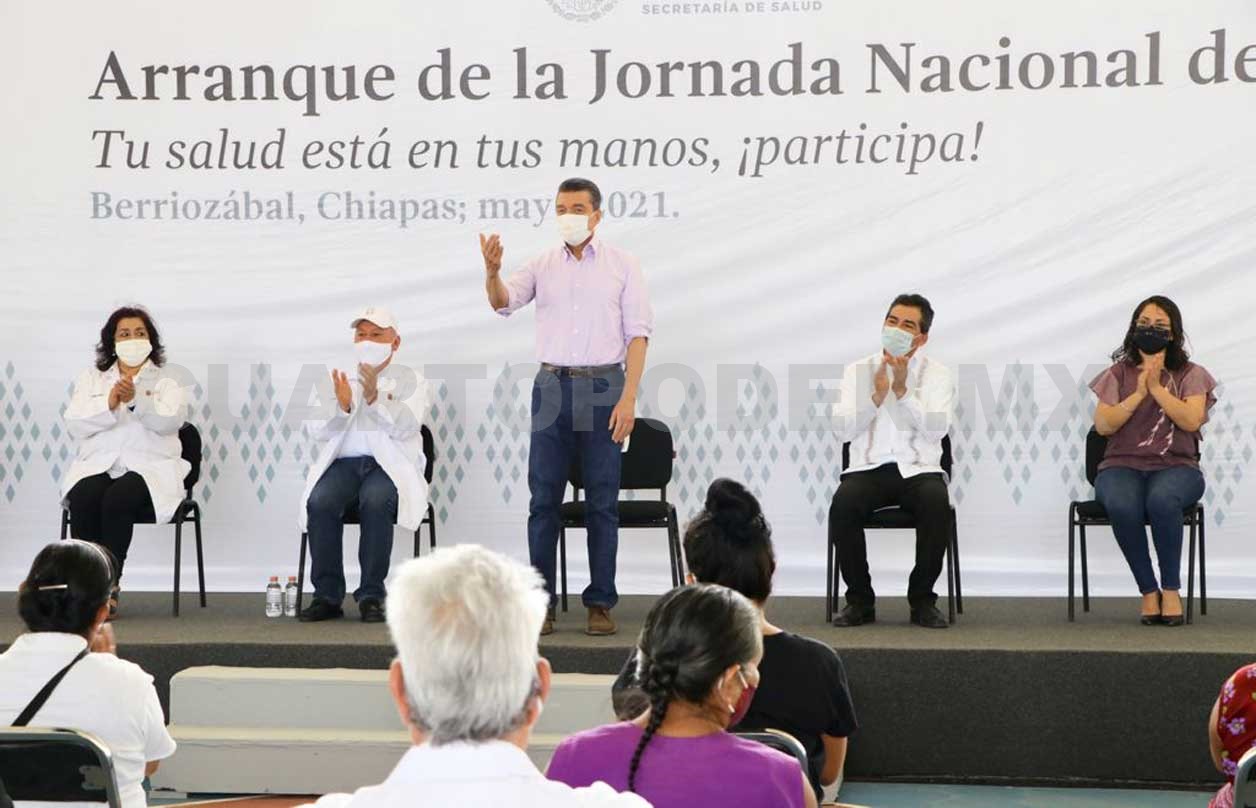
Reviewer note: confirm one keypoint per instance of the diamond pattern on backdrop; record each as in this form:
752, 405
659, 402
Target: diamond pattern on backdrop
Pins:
58, 449
757, 450
1227, 451
816, 453
697, 450
503, 437
453, 451
18, 432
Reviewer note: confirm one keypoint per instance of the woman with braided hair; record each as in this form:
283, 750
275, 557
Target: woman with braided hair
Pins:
698, 658
804, 690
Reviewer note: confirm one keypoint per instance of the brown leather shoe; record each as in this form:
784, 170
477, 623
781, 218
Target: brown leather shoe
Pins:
600, 622
547, 627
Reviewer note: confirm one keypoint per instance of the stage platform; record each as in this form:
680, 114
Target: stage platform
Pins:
1012, 693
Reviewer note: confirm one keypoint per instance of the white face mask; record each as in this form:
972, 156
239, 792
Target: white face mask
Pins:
574, 228
133, 352
896, 341
372, 353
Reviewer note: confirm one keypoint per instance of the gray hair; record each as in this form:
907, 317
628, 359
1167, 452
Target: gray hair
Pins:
465, 621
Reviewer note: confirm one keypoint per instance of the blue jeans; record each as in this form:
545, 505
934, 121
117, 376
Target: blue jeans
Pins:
1135, 499
347, 480
570, 416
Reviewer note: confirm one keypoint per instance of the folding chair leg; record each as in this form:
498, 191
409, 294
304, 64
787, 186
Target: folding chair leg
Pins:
950, 587
200, 554
1072, 541
959, 589
828, 584
65, 523
1081, 530
1190, 577
431, 526
417, 531
305, 537
178, 560
672, 530
562, 563
1203, 570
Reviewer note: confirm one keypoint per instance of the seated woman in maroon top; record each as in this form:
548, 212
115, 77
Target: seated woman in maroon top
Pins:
1152, 403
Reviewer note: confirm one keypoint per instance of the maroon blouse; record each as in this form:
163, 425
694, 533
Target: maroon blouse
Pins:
1150, 440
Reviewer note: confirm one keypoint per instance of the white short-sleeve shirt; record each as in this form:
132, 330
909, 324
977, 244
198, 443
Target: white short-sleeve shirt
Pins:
111, 698
493, 773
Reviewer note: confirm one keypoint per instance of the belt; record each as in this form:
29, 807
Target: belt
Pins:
581, 371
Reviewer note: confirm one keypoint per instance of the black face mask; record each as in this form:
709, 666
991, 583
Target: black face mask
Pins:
1151, 340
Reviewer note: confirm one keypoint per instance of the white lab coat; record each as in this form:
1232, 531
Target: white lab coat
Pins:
392, 425
144, 440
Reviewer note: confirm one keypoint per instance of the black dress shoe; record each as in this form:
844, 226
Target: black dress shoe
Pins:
1172, 620
320, 610
852, 615
928, 617
371, 611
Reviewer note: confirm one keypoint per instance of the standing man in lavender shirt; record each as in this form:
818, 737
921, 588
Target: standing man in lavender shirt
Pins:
594, 321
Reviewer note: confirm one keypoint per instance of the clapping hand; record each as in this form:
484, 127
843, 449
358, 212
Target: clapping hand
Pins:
369, 376
344, 393
123, 391
1152, 367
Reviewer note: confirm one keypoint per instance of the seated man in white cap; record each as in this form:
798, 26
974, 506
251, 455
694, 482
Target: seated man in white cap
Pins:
370, 461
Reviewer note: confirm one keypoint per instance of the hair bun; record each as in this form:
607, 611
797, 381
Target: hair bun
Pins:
731, 504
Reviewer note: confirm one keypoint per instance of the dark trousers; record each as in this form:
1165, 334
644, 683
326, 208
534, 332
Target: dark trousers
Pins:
347, 480
1134, 499
570, 416
105, 511
861, 493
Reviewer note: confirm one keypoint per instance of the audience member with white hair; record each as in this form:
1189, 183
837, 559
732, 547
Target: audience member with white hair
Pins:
469, 685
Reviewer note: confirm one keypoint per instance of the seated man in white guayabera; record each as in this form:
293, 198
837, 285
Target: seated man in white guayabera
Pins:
469, 686
370, 461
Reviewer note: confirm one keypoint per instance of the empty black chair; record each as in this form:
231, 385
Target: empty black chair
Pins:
187, 511
1090, 513
895, 518
647, 463
56, 765
351, 514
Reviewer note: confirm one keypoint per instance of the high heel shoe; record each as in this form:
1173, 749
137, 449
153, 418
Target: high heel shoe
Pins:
1154, 619
1171, 619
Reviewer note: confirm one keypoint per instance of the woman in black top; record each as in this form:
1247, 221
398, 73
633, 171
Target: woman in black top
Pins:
802, 689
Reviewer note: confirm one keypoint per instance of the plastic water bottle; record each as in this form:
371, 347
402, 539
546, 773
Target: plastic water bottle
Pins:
274, 598
290, 597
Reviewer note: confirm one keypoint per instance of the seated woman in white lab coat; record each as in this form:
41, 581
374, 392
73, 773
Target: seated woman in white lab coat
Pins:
125, 413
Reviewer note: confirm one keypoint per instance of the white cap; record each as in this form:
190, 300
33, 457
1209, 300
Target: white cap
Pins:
376, 314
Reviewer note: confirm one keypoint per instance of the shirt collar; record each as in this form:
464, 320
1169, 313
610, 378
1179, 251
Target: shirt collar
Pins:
49, 642
590, 250
463, 761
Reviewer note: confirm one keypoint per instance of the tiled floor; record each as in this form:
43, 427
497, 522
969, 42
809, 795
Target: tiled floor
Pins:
882, 795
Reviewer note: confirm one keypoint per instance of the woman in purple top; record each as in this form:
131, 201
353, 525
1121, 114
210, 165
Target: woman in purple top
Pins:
1152, 403
698, 658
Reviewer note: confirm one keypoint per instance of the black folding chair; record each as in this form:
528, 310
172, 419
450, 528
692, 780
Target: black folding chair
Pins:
56, 765
187, 511
893, 517
782, 742
1090, 513
1245, 781
351, 516
646, 464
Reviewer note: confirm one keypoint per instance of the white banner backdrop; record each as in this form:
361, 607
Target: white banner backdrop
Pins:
1034, 169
